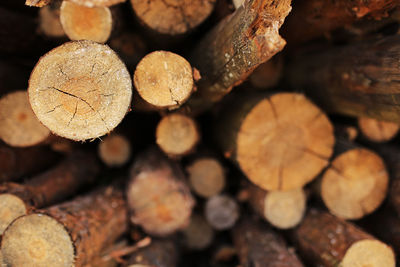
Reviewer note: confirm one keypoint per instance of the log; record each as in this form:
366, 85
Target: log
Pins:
87, 3
229, 53
80, 90
18, 124
221, 212
15, 163
282, 209
199, 234
280, 142
173, 17
207, 176
115, 150
86, 23
376, 130
315, 18
46, 189
359, 79
162, 253
177, 135
158, 198
163, 80
268, 74
49, 21
355, 184
68, 234
329, 241
258, 245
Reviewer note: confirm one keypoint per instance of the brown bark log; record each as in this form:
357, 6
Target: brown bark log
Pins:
16, 163
46, 189
221, 212
376, 130
359, 79
235, 47
158, 198
273, 137
69, 234
115, 150
258, 245
327, 240
314, 18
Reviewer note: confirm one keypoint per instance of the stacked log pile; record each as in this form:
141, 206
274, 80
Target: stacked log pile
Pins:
175, 133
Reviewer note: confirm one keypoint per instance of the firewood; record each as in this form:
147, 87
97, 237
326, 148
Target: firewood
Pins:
177, 134
237, 3
16, 163
314, 18
329, 241
115, 150
221, 212
164, 80
80, 90
87, 3
173, 17
355, 184
158, 198
199, 234
206, 176
282, 209
376, 130
18, 124
37, 3
163, 253
48, 188
268, 74
358, 79
280, 142
49, 20
68, 234
86, 23
228, 54
258, 245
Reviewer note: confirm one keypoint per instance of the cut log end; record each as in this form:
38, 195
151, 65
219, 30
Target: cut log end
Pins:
96, 3
371, 253
199, 234
115, 150
172, 17
86, 23
177, 134
49, 22
221, 212
285, 209
37, 240
80, 90
11, 207
18, 124
355, 184
206, 176
376, 130
164, 79
284, 142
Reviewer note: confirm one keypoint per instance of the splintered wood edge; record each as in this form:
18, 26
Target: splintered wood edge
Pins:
177, 134
164, 79
80, 90
206, 176
284, 142
37, 240
11, 207
18, 124
376, 130
371, 253
86, 23
115, 150
221, 212
355, 184
285, 209
199, 233
176, 18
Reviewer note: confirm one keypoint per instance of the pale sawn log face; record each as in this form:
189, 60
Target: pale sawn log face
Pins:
377, 130
80, 90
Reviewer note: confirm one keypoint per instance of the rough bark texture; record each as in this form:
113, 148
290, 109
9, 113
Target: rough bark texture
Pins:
16, 163
359, 79
259, 246
314, 18
235, 47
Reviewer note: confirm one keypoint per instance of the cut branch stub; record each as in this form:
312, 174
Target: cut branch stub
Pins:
80, 90
164, 79
18, 124
172, 17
